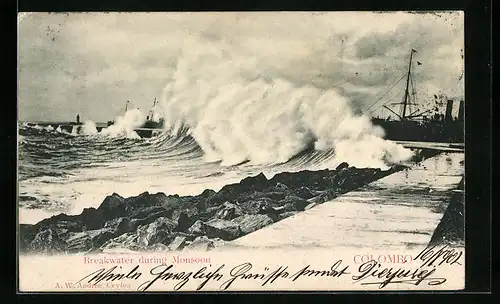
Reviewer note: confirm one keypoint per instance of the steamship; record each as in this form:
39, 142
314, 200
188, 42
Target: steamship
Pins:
151, 127
416, 125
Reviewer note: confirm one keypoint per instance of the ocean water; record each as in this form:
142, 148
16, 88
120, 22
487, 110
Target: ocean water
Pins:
67, 172
61, 172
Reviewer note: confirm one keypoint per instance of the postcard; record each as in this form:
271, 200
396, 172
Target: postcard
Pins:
241, 151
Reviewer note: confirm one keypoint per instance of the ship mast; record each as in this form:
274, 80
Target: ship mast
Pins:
406, 111
151, 111
126, 106
405, 102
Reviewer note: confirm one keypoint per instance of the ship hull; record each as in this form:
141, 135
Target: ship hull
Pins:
148, 132
432, 131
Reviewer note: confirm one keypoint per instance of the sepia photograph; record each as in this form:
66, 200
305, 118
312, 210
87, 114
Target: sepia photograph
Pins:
233, 151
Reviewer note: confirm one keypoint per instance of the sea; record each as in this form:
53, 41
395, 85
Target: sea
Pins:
65, 172
62, 172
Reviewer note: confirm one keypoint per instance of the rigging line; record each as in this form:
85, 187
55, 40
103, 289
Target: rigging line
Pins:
390, 99
387, 102
392, 111
385, 93
393, 84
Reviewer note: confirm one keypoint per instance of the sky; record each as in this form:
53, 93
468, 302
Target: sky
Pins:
92, 63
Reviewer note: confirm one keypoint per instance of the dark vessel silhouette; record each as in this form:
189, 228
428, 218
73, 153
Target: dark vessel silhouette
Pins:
152, 121
151, 127
414, 124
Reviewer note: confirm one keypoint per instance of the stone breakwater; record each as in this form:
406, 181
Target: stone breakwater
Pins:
451, 228
160, 222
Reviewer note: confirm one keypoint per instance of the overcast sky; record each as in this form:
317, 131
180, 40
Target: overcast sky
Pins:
91, 63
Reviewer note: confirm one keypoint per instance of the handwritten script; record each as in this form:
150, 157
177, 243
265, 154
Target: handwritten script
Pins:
422, 271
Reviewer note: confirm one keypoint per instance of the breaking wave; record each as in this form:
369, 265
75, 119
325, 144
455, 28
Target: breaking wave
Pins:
236, 115
315, 129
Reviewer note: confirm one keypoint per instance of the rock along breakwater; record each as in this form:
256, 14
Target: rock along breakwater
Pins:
160, 222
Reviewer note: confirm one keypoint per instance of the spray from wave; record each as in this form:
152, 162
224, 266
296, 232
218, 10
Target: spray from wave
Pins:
89, 128
234, 110
236, 114
124, 125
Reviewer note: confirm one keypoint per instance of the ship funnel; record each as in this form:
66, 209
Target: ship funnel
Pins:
449, 108
461, 110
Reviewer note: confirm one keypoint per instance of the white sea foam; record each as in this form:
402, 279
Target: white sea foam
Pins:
238, 114
124, 125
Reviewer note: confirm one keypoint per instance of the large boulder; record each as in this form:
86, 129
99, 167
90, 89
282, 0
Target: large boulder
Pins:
323, 197
180, 240
207, 193
113, 206
342, 166
119, 226
252, 222
27, 233
170, 202
266, 209
158, 247
93, 218
147, 215
257, 206
206, 215
284, 215
201, 243
281, 187
234, 191
257, 182
64, 227
155, 232
201, 228
231, 230
146, 199
288, 207
178, 243
298, 179
47, 241
298, 203
126, 241
228, 211
101, 236
275, 195
304, 193
225, 232
311, 205
144, 212
217, 242
83, 241
184, 221
54, 220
